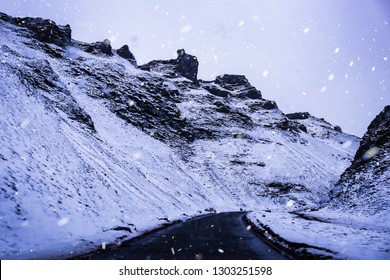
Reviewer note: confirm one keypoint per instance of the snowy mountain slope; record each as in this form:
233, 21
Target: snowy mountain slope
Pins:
65, 183
355, 224
90, 143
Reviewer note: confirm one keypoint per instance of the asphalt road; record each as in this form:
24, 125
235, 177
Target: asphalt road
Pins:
221, 236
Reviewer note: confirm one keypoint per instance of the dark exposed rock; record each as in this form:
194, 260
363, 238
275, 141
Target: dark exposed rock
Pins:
338, 129
365, 183
377, 135
216, 91
187, 65
100, 48
270, 105
44, 30
259, 105
284, 188
125, 52
96, 48
302, 127
240, 84
298, 116
40, 75
221, 107
168, 67
291, 126
235, 80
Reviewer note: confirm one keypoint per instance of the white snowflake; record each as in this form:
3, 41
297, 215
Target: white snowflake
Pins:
186, 29
63, 221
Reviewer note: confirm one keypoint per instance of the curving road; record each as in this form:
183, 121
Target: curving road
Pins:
211, 237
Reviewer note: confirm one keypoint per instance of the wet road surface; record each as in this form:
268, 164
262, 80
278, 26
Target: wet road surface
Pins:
220, 236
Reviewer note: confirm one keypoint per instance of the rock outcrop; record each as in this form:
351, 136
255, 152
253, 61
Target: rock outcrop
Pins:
187, 65
44, 30
365, 185
125, 52
298, 116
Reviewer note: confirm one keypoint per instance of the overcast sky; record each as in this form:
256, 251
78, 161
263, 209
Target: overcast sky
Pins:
330, 58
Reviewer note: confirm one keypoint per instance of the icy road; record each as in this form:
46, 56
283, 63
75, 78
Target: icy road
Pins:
210, 237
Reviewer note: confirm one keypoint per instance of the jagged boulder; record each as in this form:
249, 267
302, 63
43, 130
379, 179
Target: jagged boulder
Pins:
291, 126
337, 128
44, 30
187, 65
298, 116
240, 84
270, 105
99, 48
234, 80
167, 67
377, 135
125, 52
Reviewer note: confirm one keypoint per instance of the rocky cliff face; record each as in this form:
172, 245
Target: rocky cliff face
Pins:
89, 138
365, 185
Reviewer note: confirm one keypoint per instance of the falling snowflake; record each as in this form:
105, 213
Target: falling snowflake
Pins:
370, 153
173, 250
104, 245
241, 23
186, 29
63, 221
265, 73
306, 30
346, 144
136, 155
198, 256
25, 224
337, 50
323, 89
331, 77
290, 203
248, 227
373, 69
221, 251
25, 123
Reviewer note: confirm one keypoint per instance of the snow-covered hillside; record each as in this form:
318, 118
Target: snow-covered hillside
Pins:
355, 224
95, 149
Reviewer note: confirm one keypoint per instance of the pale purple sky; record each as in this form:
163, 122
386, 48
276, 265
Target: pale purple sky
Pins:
330, 58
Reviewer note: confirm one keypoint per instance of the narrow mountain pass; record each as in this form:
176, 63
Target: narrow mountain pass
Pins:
209, 237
